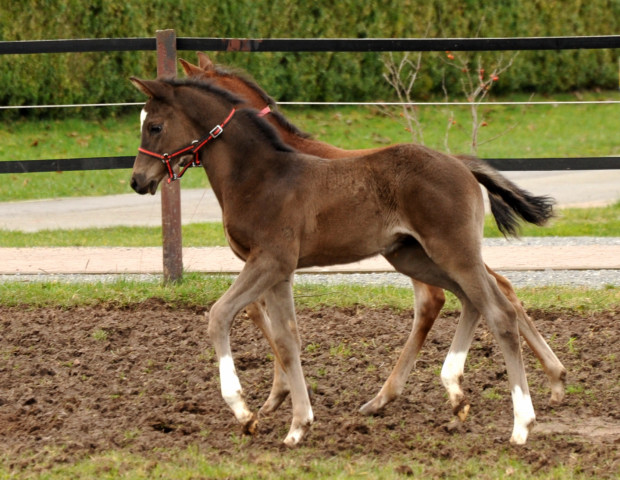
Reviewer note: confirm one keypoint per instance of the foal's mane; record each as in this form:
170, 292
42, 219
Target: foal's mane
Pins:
240, 75
263, 126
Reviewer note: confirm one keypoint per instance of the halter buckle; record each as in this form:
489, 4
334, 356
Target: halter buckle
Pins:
217, 131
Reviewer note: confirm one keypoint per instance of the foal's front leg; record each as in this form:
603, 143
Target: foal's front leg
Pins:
257, 276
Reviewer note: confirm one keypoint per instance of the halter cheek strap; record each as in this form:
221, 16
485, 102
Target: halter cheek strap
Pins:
193, 148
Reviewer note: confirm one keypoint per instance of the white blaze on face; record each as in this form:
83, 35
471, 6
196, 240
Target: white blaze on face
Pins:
142, 118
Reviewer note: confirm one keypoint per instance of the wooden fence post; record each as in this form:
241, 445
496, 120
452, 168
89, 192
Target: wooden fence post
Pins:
170, 192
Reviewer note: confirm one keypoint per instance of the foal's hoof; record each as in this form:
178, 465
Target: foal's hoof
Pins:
461, 410
251, 426
294, 436
556, 400
372, 407
520, 433
557, 394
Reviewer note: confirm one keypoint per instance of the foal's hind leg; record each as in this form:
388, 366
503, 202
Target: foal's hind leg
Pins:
412, 260
481, 289
428, 303
467, 278
556, 373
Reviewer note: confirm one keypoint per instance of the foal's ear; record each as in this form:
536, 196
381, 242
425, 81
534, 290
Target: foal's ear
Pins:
190, 69
152, 88
204, 61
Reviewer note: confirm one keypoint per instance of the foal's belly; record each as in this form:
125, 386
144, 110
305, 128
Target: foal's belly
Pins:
344, 249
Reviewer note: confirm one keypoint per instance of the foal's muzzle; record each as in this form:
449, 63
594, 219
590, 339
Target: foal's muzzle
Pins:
141, 186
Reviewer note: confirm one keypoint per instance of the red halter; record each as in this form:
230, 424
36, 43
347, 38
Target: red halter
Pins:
192, 148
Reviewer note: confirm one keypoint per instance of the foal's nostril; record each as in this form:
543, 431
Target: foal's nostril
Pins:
134, 184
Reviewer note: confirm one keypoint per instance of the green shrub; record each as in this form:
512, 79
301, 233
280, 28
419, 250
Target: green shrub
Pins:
102, 77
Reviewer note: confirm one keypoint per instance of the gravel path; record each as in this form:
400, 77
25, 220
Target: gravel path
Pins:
605, 278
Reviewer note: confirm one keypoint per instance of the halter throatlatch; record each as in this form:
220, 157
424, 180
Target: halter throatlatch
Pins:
193, 149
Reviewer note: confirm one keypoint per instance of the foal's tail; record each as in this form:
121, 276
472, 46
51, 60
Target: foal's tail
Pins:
508, 201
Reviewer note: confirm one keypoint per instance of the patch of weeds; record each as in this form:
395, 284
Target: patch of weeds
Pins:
100, 335
132, 434
312, 347
239, 440
313, 384
575, 388
571, 344
491, 394
340, 350
149, 366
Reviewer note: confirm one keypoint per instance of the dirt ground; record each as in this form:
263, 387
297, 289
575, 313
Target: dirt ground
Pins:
90, 379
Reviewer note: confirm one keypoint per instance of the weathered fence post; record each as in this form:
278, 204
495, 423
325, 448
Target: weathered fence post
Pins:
170, 192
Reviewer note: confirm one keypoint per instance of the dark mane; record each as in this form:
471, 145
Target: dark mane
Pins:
270, 133
206, 86
250, 83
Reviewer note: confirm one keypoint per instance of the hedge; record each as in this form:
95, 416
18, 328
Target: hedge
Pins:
102, 77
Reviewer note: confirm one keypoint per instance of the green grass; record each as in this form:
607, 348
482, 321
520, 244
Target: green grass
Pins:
539, 131
571, 222
199, 290
598, 221
194, 235
301, 463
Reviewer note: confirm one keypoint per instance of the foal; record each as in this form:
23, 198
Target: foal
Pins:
429, 299
283, 210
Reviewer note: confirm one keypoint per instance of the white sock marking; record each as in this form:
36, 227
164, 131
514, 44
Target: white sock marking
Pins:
524, 415
451, 371
231, 389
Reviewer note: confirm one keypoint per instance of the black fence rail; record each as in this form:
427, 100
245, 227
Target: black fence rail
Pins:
315, 44
503, 164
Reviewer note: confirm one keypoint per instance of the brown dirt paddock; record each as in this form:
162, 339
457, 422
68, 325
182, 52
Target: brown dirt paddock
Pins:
90, 379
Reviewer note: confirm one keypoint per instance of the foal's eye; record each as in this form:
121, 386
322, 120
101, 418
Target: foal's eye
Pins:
155, 129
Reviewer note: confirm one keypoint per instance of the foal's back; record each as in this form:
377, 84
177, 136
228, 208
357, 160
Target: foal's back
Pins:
344, 210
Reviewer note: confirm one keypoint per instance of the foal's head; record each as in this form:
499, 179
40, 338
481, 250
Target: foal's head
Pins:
176, 114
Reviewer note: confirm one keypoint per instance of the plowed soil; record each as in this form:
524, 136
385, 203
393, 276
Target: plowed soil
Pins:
90, 379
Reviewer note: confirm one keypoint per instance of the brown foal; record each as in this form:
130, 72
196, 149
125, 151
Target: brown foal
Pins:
282, 210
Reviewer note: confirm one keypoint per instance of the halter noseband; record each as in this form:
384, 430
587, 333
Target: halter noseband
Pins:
193, 148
